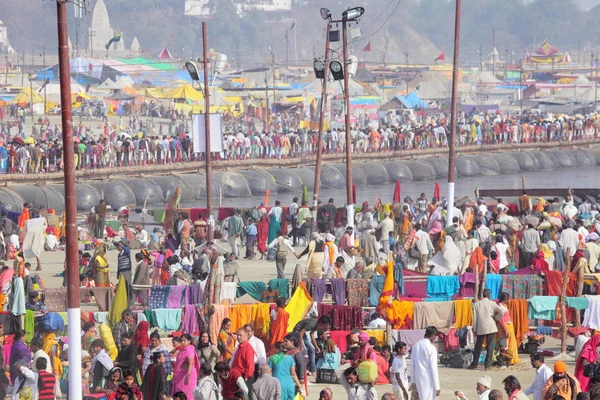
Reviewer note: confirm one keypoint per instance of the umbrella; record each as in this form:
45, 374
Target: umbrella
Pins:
397, 191
436, 191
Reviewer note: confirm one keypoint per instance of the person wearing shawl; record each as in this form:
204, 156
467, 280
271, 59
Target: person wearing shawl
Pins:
447, 261
101, 364
588, 355
141, 338
154, 384
436, 233
100, 266
127, 357
18, 352
365, 351
314, 262
24, 217
275, 221
284, 370
262, 236
538, 263
369, 244
279, 323
330, 253
506, 331
548, 255
326, 394
561, 383
185, 371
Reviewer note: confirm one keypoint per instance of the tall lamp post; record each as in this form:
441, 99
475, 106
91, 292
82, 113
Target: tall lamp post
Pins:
339, 72
321, 72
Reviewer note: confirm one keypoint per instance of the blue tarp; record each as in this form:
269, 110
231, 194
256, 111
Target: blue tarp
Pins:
412, 100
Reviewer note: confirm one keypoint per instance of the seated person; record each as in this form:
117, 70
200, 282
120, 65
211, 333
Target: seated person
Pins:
34, 304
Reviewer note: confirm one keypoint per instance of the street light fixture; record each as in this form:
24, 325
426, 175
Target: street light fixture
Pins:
325, 14
352, 14
337, 70
319, 67
192, 70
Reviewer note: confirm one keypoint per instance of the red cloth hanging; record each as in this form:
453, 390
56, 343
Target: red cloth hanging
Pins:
397, 191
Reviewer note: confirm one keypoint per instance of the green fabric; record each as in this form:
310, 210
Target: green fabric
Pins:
29, 325
150, 317
159, 216
114, 225
283, 285
254, 289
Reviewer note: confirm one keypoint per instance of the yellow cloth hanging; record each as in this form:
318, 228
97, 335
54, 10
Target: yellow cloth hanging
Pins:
299, 305
261, 315
240, 315
464, 313
119, 304
378, 334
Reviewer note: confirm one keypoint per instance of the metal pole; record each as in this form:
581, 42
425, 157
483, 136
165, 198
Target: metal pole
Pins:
521, 90
596, 80
267, 118
321, 128
45, 85
31, 96
209, 197
72, 263
494, 51
454, 106
350, 200
6, 77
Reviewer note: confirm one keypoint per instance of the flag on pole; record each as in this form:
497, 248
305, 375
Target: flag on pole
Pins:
441, 57
90, 67
367, 47
115, 39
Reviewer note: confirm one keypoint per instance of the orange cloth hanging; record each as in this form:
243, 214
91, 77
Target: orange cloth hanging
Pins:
463, 310
240, 315
398, 313
517, 309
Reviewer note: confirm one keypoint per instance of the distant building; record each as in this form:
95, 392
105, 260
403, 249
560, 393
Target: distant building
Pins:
4, 42
100, 33
201, 7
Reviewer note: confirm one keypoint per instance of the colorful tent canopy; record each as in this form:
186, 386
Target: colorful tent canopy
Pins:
185, 92
25, 96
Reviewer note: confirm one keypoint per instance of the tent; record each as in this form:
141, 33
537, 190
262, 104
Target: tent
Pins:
124, 81
185, 92
107, 84
24, 97
165, 54
121, 95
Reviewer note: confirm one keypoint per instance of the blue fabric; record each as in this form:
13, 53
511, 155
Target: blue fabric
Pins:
442, 286
330, 360
376, 288
493, 282
578, 303
543, 307
434, 299
168, 319
53, 322
544, 330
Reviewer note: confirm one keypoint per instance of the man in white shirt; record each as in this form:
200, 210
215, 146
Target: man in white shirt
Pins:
348, 378
260, 354
399, 372
501, 206
424, 246
36, 349
542, 374
483, 389
142, 236
424, 367
569, 239
25, 378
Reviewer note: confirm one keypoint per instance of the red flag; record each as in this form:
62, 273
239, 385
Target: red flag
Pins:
367, 47
90, 66
441, 57
436, 191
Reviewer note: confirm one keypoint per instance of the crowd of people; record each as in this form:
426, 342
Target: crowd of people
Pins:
141, 141
131, 362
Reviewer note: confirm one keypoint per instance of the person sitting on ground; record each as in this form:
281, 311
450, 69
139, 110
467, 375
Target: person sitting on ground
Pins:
561, 383
34, 304
483, 389
357, 272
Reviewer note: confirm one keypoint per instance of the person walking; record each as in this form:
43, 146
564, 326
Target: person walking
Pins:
282, 245
235, 228
485, 313
542, 374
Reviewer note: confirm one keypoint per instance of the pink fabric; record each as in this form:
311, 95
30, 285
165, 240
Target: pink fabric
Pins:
175, 296
590, 354
7, 348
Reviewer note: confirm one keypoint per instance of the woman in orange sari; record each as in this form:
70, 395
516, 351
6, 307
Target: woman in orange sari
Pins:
24, 217
263, 232
279, 324
226, 340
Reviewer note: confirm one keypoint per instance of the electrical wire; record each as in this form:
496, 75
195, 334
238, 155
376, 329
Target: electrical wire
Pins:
380, 14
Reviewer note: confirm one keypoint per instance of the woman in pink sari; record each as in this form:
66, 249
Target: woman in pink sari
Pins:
185, 371
588, 355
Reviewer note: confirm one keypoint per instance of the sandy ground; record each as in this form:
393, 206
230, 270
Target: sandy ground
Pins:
451, 379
